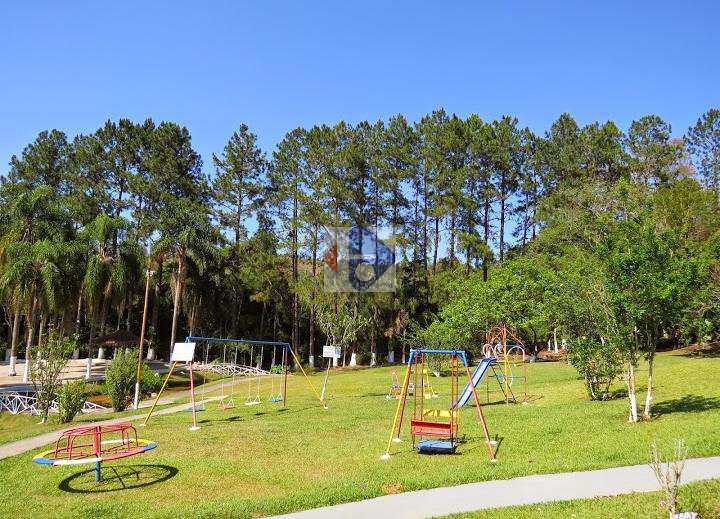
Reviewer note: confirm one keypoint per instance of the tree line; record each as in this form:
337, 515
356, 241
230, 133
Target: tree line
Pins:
238, 251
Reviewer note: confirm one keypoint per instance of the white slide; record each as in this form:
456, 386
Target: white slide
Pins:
477, 377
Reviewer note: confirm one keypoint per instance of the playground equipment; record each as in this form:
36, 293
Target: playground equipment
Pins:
436, 429
508, 356
253, 400
95, 444
227, 401
428, 391
275, 398
394, 386
185, 351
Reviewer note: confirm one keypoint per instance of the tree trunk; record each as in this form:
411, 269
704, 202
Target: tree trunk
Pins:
486, 236
41, 331
436, 243
30, 335
78, 312
156, 299
647, 414
262, 320
453, 218
296, 298
311, 326
630, 380
14, 342
502, 226
177, 299
373, 338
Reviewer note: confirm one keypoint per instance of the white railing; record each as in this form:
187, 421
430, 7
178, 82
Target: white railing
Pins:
15, 403
229, 369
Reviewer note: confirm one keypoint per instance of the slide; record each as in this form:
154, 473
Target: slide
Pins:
477, 377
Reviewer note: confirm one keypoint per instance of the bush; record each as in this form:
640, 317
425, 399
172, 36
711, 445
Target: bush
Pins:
70, 399
150, 381
598, 362
49, 359
120, 379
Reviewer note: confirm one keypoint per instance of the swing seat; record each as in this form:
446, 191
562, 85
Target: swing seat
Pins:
275, 399
226, 403
253, 402
436, 447
432, 429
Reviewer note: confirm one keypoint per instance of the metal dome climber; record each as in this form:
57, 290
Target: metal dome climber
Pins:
95, 444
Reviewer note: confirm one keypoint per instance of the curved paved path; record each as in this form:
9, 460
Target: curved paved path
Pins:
524, 490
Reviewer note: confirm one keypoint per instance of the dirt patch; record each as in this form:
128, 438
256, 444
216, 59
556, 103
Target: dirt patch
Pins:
392, 488
551, 356
700, 350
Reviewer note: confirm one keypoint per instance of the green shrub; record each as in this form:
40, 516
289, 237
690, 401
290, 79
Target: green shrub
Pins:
70, 399
150, 381
598, 362
120, 379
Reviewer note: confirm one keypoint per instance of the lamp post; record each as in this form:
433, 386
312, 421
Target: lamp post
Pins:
148, 275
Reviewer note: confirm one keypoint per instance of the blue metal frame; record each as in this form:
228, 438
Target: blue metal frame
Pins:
429, 351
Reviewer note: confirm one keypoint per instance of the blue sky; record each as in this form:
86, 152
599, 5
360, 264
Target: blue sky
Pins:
279, 65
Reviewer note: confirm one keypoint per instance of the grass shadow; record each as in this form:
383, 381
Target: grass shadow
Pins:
687, 404
115, 478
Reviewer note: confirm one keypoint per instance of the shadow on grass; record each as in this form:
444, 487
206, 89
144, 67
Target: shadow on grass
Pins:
687, 404
114, 478
480, 445
255, 416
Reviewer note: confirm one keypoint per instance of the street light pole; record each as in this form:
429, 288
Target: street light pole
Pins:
148, 274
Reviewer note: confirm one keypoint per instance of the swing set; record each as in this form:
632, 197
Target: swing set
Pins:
428, 391
184, 352
435, 430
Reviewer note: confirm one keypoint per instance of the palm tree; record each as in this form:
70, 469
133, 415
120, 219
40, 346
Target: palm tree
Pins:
110, 272
187, 236
31, 214
34, 276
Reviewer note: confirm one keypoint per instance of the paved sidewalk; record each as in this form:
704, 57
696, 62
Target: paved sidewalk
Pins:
509, 492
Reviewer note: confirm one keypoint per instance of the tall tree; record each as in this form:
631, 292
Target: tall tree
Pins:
238, 182
652, 151
703, 141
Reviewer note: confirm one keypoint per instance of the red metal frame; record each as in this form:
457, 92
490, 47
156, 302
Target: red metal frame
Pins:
87, 442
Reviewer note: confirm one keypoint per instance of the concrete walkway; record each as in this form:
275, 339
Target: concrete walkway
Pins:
35, 442
509, 492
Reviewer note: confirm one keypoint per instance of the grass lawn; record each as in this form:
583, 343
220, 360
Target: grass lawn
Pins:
702, 497
260, 460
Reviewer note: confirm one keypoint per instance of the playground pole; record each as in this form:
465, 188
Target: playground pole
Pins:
192, 399
172, 367
401, 405
285, 374
481, 417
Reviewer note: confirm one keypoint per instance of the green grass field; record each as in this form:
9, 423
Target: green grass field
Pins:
261, 460
703, 498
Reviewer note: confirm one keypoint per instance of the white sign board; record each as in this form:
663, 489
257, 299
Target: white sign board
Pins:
183, 352
332, 352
